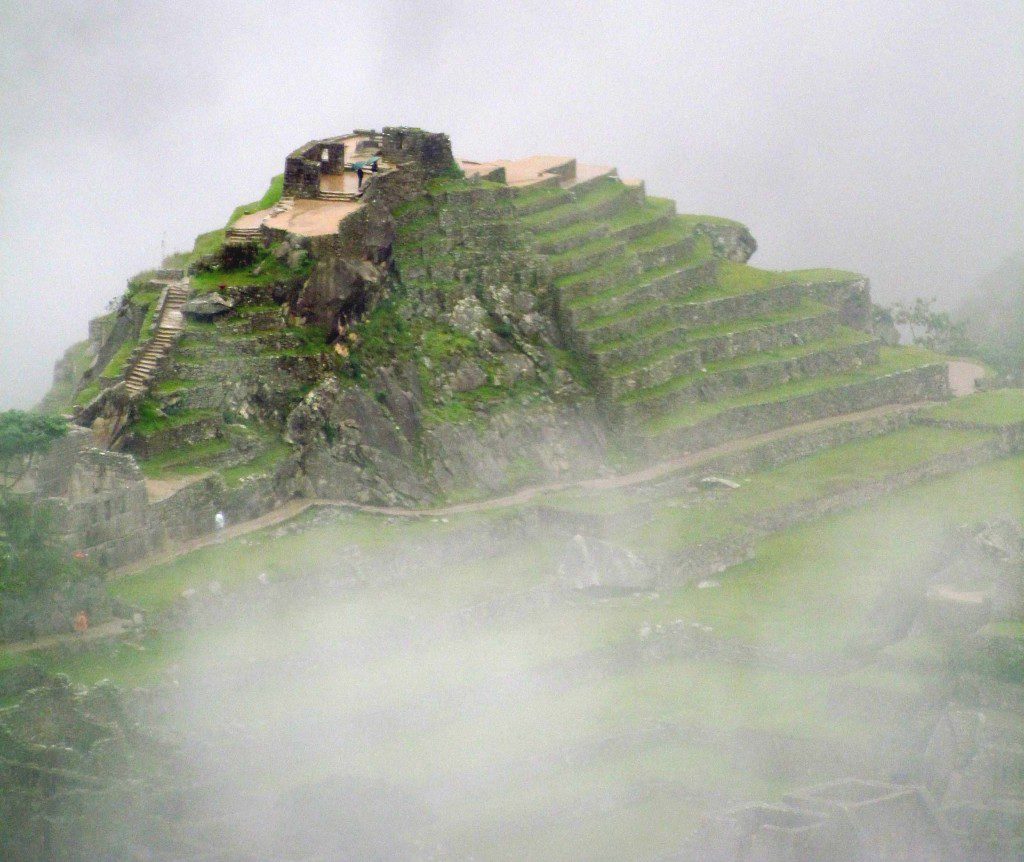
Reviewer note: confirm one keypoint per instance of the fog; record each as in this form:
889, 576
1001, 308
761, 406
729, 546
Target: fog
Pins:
878, 137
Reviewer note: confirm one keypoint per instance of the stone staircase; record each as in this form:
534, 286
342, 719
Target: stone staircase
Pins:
243, 235
149, 355
334, 195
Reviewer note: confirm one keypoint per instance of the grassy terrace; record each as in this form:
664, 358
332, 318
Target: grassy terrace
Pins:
843, 337
892, 360
651, 210
805, 310
581, 251
638, 282
815, 586
675, 527
998, 408
184, 462
585, 205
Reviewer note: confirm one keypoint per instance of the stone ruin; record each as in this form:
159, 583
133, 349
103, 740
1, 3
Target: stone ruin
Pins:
843, 821
974, 766
979, 580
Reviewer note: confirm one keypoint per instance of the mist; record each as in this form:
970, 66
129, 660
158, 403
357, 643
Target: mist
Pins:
879, 138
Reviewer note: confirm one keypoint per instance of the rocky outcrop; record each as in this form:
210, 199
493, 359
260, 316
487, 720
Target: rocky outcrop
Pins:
352, 447
594, 564
729, 240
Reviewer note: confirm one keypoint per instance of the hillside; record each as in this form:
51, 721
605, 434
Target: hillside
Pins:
453, 332
556, 530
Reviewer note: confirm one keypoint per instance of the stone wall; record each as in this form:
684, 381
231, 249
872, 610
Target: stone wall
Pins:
302, 171
928, 383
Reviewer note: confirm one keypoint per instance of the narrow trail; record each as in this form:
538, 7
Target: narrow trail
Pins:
650, 473
962, 377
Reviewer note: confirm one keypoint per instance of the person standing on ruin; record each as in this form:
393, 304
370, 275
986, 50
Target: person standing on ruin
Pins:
359, 176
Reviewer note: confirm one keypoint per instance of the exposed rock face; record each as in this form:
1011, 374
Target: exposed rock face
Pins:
352, 447
542, 443
340, 289
731, 241
377, 449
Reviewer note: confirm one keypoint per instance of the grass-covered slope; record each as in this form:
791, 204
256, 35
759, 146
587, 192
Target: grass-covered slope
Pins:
444, 657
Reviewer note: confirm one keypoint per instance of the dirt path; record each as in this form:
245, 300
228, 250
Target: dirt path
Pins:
964, 376
602, 483
960, 372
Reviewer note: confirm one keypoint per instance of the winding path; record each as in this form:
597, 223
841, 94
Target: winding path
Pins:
659, 470
962, 378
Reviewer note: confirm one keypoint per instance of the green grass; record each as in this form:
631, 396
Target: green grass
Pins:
523, 197
150, 422
670, 235
116, 366
263, 463
998, 407
61, 396
239, 561
817, 586
892, 360
823, 474
651, 210
694, 221
211, 242
593, 247
608, 269
270, 197
185, 461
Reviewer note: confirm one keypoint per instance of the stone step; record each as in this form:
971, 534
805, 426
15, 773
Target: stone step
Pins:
338, 196
846, 352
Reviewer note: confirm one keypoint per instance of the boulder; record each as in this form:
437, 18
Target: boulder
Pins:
207, 305
467, 377
588, 563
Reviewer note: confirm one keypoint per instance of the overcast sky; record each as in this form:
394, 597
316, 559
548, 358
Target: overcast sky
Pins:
883, 137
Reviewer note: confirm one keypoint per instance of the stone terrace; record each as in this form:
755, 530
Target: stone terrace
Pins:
687, 344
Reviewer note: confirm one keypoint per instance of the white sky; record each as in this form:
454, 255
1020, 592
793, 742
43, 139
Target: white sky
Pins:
876, 136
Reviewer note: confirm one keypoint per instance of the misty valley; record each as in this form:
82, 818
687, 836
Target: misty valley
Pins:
435, 508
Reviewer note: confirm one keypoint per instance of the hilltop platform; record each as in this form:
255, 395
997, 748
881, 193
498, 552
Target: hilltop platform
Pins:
304, 217
535, 170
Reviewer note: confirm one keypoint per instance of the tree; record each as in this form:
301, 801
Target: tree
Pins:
35, 562
930, 328
22, 437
